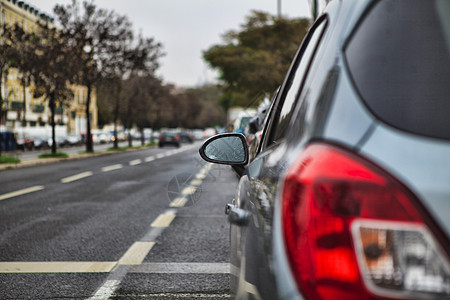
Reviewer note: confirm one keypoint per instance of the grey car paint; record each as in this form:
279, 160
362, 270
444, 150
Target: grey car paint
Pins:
332, 113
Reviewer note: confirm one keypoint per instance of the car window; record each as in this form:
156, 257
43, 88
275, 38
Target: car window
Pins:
295, 81
399, 60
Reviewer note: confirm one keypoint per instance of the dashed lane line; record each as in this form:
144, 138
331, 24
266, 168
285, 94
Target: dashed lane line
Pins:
112, 168
163, 220
77, 177
179, 202
136, 253
149, 158
135, 162
161, 155
132, 260
22, 192
196, 182
86, 174
192, 188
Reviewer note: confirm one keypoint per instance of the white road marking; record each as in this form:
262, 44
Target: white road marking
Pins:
57, 267
112, 168
178, 202
189, 190
149, 158
182, 268
136, 253
22, 192
134, 256
200, 176
196, 182
106, 291
163, 220
135, 162
76, 177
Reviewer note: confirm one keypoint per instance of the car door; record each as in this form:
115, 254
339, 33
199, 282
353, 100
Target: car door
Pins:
251, 248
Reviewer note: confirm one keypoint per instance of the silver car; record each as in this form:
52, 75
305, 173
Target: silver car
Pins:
348, 193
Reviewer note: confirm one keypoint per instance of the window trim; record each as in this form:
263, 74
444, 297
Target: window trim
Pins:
271, 127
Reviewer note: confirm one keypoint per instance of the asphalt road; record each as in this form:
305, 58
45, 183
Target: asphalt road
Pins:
147, 224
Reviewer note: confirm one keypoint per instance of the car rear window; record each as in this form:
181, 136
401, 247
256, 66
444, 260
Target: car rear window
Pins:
399, 60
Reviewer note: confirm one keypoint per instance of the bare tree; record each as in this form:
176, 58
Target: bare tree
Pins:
6, 62
24, 55
139, 61
95, 37
43, 57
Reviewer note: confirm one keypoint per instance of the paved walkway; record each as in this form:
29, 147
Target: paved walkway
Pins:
29, 162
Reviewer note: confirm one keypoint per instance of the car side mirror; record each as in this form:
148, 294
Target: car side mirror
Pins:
227, 148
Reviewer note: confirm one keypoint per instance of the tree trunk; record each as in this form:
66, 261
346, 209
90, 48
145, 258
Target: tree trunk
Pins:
89, 144
1, 110
142, 136
24, 119
116, 118
130, 124
130, 139
52, 105
116, 142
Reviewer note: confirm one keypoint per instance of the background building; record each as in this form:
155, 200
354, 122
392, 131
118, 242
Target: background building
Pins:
24, 113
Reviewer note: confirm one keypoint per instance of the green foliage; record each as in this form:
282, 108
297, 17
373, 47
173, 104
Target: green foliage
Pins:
6, 159
252, 63
54, 155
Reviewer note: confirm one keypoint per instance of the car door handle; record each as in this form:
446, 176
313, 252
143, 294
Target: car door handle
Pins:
237, 216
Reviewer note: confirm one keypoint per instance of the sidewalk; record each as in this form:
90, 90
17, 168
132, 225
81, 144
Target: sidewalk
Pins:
30, 162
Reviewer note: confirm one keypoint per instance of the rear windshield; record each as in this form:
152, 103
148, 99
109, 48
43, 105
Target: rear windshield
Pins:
169, 134
399, 60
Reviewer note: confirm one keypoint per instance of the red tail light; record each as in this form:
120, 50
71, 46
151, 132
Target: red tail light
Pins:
354, 232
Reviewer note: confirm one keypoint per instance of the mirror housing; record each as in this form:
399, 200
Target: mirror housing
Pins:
226, 148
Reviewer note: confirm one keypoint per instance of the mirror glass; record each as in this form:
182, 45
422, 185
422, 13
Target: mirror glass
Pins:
226, 149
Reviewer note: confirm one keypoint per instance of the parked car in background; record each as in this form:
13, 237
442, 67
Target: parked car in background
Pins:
186, 137
24, 141
74, 139
197, 134
169, 138
348, 195
40, 142
101, 137
209, 132
60, 141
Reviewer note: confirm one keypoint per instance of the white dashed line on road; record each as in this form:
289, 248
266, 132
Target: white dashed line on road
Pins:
163, 220
22, 192
136, 253
77, 177
161, 155
112, 168
135, 162
149, 158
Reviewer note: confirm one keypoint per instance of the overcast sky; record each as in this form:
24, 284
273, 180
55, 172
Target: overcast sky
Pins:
185, 28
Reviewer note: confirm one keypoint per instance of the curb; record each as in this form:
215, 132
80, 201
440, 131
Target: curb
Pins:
44, 161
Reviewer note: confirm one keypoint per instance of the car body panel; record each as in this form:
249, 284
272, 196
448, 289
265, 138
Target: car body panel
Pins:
422, 163
328, 110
